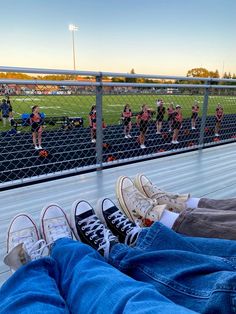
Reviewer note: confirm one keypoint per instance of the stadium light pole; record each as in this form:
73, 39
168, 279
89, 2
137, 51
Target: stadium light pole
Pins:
73, 28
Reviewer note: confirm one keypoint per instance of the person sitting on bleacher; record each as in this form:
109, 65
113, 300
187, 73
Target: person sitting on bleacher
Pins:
120, 267
36, 122
143, 201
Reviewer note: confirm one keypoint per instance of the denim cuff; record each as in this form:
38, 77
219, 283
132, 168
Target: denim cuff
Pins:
148, 235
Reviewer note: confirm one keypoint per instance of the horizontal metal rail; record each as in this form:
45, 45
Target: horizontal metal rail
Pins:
115, 84
110, 74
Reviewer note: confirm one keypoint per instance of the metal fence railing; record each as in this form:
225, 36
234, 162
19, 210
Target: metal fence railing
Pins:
90, 120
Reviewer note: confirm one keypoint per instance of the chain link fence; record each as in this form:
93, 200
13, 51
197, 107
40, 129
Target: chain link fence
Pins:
82, 125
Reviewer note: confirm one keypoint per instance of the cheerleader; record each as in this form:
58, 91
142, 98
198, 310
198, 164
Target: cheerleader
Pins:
142, 119
177, 122
36, 122
126, 117
219, 114
195, 111
161, 110
170, 111
92, 123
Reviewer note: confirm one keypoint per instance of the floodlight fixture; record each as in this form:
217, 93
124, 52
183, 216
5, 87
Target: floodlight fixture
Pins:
73, 27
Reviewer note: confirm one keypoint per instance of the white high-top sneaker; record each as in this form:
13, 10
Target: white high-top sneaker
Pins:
23, 242
135, 205
54, 224
174, 201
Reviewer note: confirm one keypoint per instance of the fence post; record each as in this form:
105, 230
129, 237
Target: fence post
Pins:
204, 115
99, 130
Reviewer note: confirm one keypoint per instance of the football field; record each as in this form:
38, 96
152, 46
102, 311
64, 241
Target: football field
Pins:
79, 105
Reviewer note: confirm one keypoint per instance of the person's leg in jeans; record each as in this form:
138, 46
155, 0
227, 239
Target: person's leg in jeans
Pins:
87, 282
32, 288
167, 260
202, 283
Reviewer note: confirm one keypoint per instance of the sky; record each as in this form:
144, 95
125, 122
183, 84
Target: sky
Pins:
166, 37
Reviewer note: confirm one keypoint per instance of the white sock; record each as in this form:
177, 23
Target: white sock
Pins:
192, 202
168, 218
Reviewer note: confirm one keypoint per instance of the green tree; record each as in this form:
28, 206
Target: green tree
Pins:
131, 79
214, 74
198, 72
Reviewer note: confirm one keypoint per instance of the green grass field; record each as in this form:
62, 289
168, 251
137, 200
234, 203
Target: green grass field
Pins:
61, 105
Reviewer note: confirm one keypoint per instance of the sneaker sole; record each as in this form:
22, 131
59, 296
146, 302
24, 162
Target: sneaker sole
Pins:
42, 216
121, 201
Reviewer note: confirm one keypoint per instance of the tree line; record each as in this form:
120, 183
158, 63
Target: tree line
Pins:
195, 72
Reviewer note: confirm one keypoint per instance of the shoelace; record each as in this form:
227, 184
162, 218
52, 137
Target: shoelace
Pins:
37, 249
33, 249
118, 219
155, 191
145, 205
158, 193
94, 228
59, 230
167, 199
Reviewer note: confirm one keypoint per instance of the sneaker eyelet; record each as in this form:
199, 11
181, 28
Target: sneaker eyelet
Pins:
86, 233
83, 228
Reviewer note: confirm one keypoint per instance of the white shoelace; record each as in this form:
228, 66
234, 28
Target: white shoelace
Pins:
94, 228
37, 249
144, 205
59, 230
158, 193
131, 232
33, 249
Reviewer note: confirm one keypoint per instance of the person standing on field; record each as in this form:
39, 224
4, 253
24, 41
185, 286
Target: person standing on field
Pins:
219, 114
36, 122
5, 111
142, 119
170, 111
177, 123
126, 117
92, 123
161, 110
194, 117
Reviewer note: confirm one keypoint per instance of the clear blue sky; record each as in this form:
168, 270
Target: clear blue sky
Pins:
151, 36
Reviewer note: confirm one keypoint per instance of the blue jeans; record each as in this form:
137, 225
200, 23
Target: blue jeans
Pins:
197, 273
77, 279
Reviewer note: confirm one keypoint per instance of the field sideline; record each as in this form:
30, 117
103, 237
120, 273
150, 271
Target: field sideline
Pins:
67, 105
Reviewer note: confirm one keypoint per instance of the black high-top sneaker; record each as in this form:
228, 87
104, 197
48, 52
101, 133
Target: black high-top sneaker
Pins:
126, 230
89, 229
